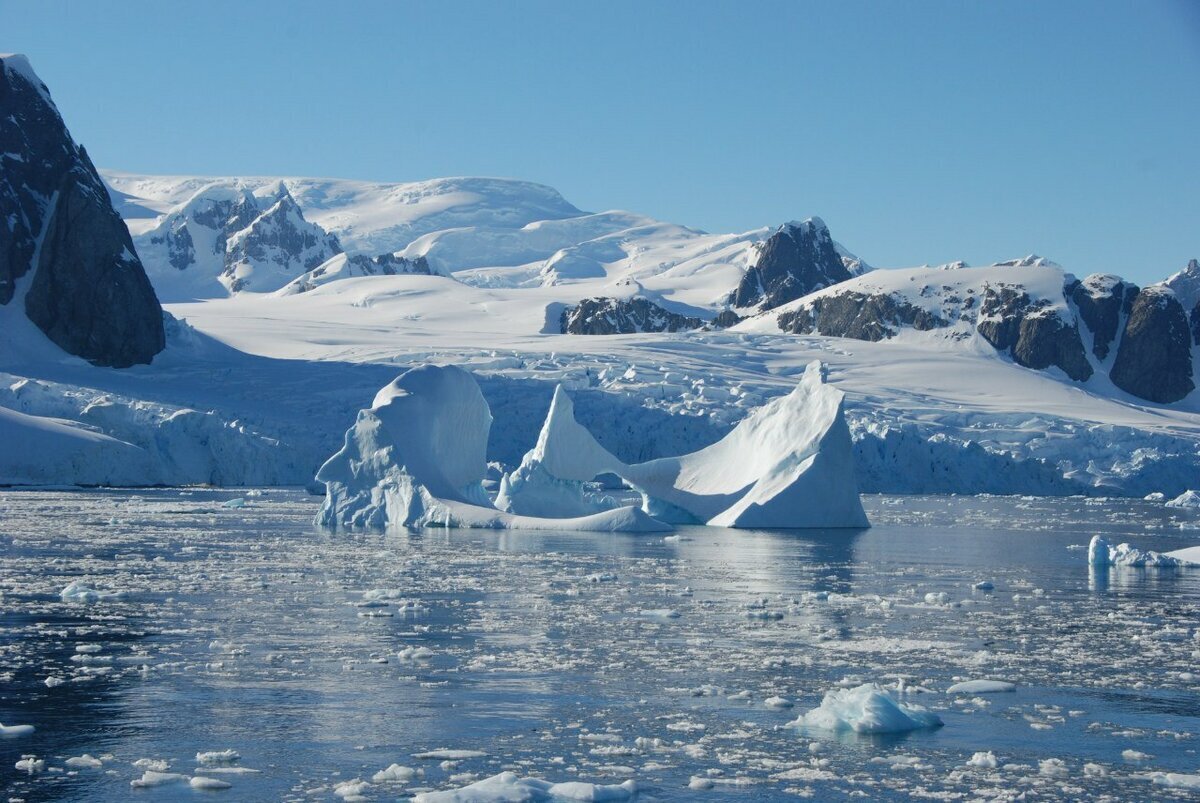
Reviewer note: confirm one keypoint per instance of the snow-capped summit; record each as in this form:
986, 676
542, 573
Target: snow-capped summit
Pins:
1186, 284
88, 292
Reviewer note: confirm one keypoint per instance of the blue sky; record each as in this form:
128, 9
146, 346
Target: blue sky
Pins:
920, 132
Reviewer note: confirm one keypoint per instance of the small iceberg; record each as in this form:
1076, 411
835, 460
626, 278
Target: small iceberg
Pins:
866, 709
78, 592
982, 687
1101, 554
1189, 500
13, 731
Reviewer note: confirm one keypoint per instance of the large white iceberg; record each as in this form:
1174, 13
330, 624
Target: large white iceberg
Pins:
416, 458
789, 464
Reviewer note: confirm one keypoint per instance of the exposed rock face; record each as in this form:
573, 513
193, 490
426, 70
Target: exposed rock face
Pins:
279, 237
1035, 335
1154, 360
617, 316
725, 319
798, 259
860, 316
89, 292
1103, 301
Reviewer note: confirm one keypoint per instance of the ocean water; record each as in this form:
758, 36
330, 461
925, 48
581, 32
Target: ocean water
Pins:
322, 658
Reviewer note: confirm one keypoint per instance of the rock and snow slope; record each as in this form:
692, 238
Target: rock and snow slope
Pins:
66, 260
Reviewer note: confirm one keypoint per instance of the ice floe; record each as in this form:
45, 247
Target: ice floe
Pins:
508, 787
1102, 554
866, 709
981, 687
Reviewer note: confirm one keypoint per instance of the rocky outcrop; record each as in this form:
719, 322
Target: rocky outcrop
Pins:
345, 266
1154, 360
618, 316
89, 292
1033, 333
1186, 286
725, 319
858, 315
1103, 302
798, 259
279, 238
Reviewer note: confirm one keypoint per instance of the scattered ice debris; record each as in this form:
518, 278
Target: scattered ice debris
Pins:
507, 787
208, 784
216, 758
152, 778
450, 755
1102, 554
78, 592
31, 764
86, 761
13, 731
395, 772
984, 760
1188, 499
867, 709
981, 687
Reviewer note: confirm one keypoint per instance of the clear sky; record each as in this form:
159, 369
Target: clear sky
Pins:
920, 131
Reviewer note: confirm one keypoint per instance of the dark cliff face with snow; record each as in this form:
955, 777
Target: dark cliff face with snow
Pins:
88, 291
798, 259
613, 316
1143, 340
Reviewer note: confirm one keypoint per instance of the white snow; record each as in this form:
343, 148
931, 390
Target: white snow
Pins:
1189, 500
866, 709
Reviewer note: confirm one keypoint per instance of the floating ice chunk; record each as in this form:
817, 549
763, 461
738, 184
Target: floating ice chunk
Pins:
1188, 499
217, 757
789, 464
937, 598
661, 613
86, 761
236, 502
1053, 768
208, 784
1174, 780
451, 755
395, 772
415, 654
778, 702
416, 458
1102, 554
507, 787
151, 778
30, 764
78, 592
1135, 756
981, 687
155, 764
866, 709
986, 760
352, 790
984, 585
13, 731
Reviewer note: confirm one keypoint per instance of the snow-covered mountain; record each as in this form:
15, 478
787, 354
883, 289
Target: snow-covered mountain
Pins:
1102, 330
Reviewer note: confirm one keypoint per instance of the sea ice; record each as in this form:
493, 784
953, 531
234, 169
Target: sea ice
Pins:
78, 592
86, 760
507, 787
151, 778
209, 784
13, 731
1187, 499
395, 772
217, 757
866, 709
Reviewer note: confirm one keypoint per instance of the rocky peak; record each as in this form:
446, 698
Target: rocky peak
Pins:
613, 316
89, 292
1154, 359
1186, 285
1103, 301
798, 259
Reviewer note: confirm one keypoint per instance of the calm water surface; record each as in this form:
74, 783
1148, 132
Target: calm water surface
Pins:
323, 659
